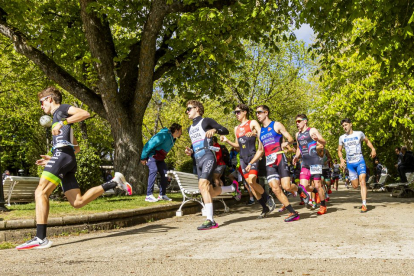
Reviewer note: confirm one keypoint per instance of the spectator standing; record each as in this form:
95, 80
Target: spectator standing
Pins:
153, 155
378, 170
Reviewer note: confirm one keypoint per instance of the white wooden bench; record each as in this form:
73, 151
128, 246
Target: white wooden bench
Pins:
402, 189
20, 188
188, 184
380, 186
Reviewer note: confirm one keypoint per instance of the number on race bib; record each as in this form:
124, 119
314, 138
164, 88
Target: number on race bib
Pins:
316, 169
271, 158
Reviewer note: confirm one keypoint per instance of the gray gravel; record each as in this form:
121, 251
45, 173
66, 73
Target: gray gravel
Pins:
342, 242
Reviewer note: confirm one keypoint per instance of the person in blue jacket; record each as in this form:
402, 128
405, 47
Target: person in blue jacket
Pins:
153, 155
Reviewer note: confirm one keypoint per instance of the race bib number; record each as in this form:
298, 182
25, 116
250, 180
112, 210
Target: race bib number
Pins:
316, 169
354, 159
271, 159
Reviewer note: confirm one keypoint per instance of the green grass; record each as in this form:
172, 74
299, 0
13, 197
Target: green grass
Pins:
100, 205
7, 245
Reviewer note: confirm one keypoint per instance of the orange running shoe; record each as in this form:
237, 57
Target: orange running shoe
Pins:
317, 199
322, 210
364, 209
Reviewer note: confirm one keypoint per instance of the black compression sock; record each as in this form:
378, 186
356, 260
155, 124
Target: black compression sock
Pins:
41, 231
290, 209
109, 185
263, 199
323, 203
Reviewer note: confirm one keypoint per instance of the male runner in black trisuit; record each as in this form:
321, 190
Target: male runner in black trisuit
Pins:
61, 167
201, 133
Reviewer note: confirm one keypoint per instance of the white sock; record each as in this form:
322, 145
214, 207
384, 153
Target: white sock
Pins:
209, 211
227, 189
251, 198
364, 202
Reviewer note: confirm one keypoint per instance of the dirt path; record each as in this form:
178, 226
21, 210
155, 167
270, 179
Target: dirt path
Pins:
343, 242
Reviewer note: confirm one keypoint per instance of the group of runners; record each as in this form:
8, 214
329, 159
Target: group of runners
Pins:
272, 137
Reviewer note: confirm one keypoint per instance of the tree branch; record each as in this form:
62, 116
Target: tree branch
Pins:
178, 6
101, 45
50, 68
167, 66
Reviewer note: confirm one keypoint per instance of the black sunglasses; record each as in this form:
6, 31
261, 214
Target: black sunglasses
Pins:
259, 112
237, 112
189, 109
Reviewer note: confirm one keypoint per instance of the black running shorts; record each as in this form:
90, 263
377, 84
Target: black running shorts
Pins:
278, 171
61, 169
206, 166
326, 174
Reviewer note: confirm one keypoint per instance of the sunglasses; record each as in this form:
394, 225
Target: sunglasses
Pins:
237, 112
43, 99
259, 112
189, 109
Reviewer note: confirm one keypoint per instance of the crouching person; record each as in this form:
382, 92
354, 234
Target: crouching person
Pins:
153, 155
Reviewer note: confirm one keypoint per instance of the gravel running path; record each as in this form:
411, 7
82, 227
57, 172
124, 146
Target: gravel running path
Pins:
342, 242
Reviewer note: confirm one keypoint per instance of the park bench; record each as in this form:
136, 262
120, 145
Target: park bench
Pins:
370, 180
188, 184
402, 189
20, 188
380, 185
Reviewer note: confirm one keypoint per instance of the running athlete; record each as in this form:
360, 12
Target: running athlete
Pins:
201, 132
336, 173
309, 141
326, 160
246, 141
221, 165
355, 162
277, 170
61, 167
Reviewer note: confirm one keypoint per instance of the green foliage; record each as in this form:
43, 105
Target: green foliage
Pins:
89, 173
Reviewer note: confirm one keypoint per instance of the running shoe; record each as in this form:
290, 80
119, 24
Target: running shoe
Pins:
302, 203
35, 243
264, 213
303, 193
150, 198
317, 199
329, 191
271, 203
164, 197
122, 183
292, 217
250, 202
282, 209
207, 225
238, 192
313, 205
364, 209
322, 210
327, 198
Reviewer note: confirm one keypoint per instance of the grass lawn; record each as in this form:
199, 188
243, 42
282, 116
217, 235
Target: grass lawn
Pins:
100, 205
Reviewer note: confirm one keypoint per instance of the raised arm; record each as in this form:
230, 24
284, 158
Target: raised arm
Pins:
280, 128
314, 133
213, 127
369, 144
225, 139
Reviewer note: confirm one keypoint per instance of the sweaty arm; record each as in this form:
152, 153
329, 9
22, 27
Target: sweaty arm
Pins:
314, 133
77, 115
298, 153
280, 128
256, 157
369, 144
233, 144
341, 158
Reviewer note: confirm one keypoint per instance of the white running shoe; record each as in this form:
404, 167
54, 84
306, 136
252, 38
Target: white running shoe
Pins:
35, 243
164, 197
122, 183
150, 198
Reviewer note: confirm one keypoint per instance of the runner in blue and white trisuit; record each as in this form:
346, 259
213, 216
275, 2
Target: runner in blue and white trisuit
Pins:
355, 162
201, 133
